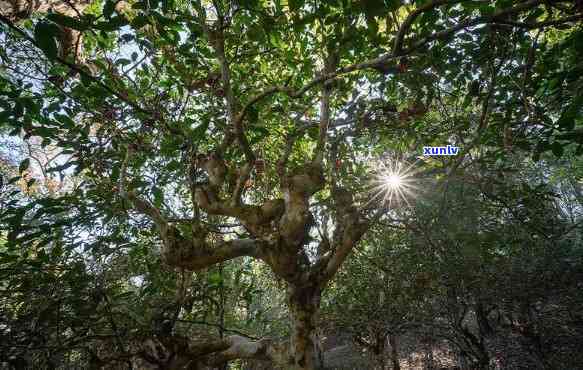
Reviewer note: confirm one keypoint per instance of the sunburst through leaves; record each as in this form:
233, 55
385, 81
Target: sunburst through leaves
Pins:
392, 182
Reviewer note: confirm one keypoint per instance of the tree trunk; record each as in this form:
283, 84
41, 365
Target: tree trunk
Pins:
462, 360
429, 354
394, 352
305, 350
380, 348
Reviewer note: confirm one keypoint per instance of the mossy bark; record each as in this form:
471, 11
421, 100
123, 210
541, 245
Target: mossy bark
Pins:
305, 351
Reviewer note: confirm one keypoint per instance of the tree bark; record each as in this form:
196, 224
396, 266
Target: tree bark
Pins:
305, 351
394, 352
429, 353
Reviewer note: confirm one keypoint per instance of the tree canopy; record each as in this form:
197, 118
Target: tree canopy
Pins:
220, 184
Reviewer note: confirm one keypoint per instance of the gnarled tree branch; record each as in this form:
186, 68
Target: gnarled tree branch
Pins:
190, 252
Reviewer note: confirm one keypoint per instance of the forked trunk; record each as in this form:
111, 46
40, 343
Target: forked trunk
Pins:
305, 350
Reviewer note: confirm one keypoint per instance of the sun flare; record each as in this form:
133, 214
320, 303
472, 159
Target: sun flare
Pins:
392, 182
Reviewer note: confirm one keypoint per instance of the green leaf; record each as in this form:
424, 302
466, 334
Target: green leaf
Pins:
504, 3
122, 62
215, 278
124, 295
24, 165
173, 165
393, 5
68, 22
557, 149
62, 167
140, 21
260, 130
200, 130
108, 8
567, 119
373, 26
295, 5
65, 120
113, 24
45, 35
158, 197
247, 3
4, 115
13, 180
374, 8
487, 9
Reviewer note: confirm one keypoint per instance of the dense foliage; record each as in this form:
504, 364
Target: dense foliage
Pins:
242, 184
